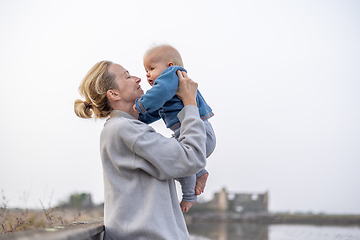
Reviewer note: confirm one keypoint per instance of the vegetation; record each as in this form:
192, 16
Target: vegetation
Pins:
12, 220
79, 201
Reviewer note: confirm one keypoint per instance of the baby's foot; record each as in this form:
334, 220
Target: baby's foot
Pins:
200, 183
185, 205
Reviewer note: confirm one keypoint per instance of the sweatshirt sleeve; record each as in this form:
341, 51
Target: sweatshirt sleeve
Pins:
165, 87
166, 158
149, 117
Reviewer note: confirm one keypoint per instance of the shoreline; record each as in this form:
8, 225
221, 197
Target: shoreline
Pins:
271, 218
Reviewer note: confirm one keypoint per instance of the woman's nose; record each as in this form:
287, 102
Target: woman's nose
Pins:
137, 79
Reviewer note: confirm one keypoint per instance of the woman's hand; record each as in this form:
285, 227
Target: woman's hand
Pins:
187, 89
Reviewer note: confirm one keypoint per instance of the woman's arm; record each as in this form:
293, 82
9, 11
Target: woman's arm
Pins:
166, 158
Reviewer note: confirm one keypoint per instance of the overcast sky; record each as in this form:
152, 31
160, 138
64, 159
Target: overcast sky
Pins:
282, 77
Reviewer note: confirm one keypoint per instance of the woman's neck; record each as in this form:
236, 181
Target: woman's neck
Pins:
132, 113
125, 107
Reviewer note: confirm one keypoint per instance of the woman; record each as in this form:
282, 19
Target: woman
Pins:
139, 165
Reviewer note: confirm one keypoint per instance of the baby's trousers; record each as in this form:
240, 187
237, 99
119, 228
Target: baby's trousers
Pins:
188, 183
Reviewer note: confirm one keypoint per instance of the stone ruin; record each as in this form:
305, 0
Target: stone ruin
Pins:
239, 202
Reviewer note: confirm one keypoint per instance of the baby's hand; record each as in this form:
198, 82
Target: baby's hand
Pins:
134, 107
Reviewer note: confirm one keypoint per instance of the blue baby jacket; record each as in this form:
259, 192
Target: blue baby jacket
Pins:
161, 101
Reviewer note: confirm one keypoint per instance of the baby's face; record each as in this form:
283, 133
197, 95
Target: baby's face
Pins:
153, 67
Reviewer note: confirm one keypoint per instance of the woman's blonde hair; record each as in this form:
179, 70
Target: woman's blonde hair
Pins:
93, 88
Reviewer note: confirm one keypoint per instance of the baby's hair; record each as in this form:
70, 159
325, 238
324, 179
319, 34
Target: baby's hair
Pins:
93, 88
168, 54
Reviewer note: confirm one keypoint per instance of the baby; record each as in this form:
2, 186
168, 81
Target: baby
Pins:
161, 64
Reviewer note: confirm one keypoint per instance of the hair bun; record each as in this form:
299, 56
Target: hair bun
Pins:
86, 104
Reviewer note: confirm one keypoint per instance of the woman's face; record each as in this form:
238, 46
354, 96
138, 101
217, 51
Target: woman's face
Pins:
129, 87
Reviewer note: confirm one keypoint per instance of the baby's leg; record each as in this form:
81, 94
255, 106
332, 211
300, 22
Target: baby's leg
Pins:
201, 177
188, 191
210, 138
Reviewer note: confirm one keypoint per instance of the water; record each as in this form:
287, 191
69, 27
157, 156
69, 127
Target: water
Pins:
242, 231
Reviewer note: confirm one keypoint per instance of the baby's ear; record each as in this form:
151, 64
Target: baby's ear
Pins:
170, 64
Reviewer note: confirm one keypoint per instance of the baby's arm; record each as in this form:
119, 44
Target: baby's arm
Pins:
165, 87
149, 117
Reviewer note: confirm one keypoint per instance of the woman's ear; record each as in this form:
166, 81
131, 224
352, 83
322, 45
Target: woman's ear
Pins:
112, 95
170, 64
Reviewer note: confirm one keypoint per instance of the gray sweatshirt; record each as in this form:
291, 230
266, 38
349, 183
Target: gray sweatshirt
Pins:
139, 167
